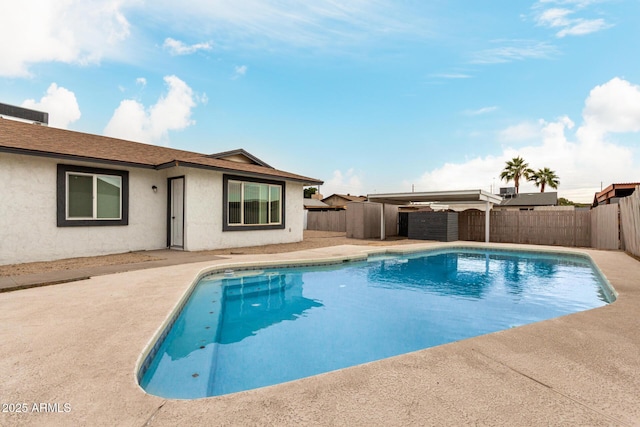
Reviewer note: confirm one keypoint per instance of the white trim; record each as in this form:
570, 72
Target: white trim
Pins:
94, 196
242, 185
457, 196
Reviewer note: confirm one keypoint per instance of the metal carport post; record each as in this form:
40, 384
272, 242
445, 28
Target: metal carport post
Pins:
487, 220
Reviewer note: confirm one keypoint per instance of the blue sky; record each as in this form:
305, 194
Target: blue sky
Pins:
369, 96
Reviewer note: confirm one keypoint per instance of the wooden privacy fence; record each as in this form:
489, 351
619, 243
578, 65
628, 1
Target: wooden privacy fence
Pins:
605, 227
560, 228
630, 222
327, 220
363, 220
605, 231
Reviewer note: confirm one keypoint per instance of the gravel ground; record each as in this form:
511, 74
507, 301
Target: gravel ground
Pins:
312, 239
73, 263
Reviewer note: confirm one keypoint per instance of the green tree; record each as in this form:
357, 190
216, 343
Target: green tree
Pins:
309, 191
566, 202
515, 169
544, 177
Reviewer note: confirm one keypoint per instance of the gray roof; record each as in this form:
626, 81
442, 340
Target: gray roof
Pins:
532, 199
348, 197
315, 203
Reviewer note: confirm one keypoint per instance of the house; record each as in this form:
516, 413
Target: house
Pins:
613, 193
70, 194
341, 200
528, 201
315, 205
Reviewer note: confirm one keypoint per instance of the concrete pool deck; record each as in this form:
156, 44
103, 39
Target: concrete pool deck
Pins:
74, 348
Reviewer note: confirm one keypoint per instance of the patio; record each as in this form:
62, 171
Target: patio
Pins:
78, 343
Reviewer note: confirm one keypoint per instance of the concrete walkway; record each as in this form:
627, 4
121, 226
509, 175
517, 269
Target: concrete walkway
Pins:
68, 356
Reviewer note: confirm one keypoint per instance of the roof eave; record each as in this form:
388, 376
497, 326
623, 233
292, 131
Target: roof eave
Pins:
301, 179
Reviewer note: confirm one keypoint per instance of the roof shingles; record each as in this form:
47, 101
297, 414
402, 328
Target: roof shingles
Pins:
532, 199
31, 139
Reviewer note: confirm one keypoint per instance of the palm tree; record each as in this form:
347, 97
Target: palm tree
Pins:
514, 169
543, 177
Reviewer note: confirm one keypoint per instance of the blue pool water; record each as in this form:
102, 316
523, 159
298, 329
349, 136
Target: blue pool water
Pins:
262, 328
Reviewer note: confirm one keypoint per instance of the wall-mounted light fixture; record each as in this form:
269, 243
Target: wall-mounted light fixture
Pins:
154, 188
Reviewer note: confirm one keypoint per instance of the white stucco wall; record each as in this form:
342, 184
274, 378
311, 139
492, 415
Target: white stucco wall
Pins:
28, 227
29, 231
203, 214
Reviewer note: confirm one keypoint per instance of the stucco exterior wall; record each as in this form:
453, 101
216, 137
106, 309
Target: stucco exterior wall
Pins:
29, 231
203, 215
28, 227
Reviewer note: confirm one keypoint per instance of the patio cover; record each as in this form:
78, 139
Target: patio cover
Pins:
446, 197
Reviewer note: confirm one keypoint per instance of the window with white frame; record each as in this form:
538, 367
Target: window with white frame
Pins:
89, 196
92, 196
252, 204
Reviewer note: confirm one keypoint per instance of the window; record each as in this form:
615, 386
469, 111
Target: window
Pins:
93, 196
88, 196
251, 204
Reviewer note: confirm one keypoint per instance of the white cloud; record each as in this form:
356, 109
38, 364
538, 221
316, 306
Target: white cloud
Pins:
582, 159
70, 31
319, 23
521, 132
560, 18
202, 99
141, 81
60, 103
349, 182
176, 47
582, 27
452, 76
514, 50
480, 111
86, 31
132, 121
613, 107
555, 17
239, 71
579, 3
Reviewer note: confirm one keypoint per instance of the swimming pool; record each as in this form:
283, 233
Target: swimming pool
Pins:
248, 329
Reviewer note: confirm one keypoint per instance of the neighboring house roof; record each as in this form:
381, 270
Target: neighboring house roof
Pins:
614, 190
31, 139
532, 199
346, 197
315, 204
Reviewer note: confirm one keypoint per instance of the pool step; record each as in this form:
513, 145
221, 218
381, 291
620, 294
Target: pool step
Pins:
252, 286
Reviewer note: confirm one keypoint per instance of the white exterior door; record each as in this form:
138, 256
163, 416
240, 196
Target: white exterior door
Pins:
176, 212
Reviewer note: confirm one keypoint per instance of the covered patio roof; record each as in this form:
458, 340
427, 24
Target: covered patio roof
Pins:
451, 197
457, 196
